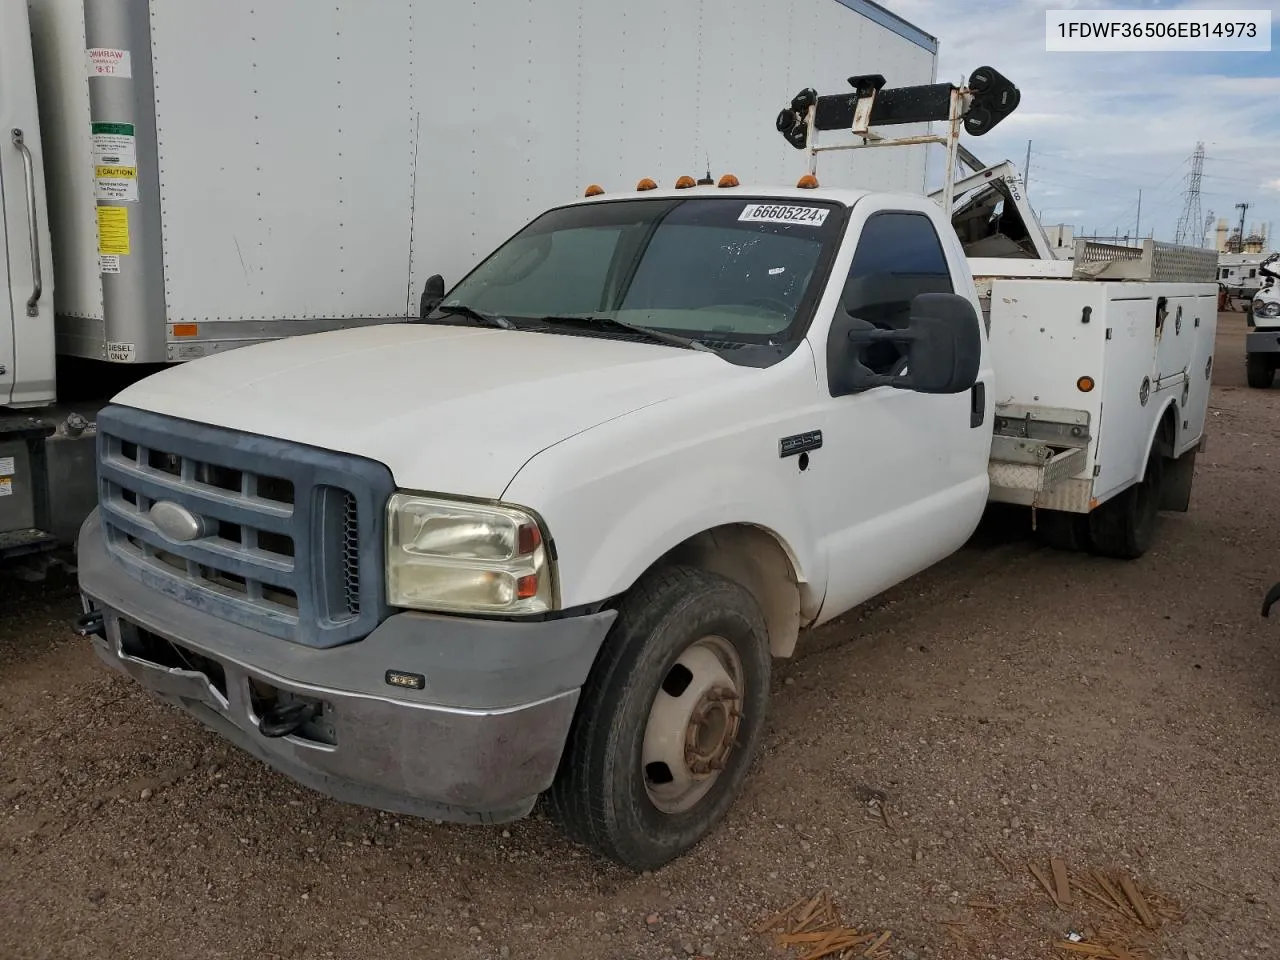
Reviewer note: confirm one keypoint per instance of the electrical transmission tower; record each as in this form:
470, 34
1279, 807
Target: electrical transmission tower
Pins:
1190, 218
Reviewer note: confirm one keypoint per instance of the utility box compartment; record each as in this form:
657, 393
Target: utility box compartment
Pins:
1086, 371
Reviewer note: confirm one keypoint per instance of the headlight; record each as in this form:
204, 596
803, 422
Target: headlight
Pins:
1267, 310
451, 556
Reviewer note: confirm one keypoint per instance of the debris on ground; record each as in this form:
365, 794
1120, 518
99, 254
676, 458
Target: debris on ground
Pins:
1132, 915
814, 927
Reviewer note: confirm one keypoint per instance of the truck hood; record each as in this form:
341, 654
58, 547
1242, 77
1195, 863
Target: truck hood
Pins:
448, 409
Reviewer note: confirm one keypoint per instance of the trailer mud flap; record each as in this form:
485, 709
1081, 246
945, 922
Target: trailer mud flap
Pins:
1175, 488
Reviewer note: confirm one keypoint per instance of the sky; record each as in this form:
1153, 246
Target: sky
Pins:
1103, 126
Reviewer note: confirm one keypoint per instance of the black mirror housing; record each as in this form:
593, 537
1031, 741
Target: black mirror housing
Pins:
432, 295
943, 341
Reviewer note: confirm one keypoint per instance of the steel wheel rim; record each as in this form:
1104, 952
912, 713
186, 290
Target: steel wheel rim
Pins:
693, 725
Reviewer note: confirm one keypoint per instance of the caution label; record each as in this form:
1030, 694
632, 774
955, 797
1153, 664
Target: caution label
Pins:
6, 486
113, 231
116, 183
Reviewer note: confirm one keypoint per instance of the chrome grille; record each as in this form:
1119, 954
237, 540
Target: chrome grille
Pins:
290, 537
351, 554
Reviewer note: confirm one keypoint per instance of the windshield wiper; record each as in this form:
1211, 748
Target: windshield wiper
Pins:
661, 336
492, 319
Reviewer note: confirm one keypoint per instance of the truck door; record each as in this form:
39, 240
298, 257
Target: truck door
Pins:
26, 311
903, 474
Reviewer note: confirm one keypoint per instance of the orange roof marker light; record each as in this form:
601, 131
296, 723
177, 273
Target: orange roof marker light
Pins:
595, 190
807, 182
685, 182
647, 184
1085, 384
728, 180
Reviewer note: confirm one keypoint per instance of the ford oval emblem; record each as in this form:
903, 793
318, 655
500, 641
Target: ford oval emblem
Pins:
176, 522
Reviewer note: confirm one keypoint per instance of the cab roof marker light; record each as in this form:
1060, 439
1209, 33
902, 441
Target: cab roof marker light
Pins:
685, 182
647, 184
595, 190
807, 182
728, 180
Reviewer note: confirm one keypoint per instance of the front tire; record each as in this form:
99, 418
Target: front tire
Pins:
669, 720
1259, 371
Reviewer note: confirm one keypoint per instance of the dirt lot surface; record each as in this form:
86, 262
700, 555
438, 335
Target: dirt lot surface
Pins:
1012, 705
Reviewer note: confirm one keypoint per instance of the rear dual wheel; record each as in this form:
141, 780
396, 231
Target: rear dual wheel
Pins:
1122, 528
669, 721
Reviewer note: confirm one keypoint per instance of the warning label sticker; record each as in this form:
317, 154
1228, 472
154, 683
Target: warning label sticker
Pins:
6, 486
109, 62
116, 183
113, 231
6, 466
109, 264
121, 352
114, 144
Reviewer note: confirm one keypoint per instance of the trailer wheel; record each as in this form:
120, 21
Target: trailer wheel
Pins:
669, 720
1259, 370
1063, 531
1122, 527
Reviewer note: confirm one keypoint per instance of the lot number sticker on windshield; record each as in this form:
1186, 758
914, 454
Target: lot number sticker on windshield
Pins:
783, 213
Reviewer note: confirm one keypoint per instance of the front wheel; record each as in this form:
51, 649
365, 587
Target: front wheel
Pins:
669, 720
1259, 370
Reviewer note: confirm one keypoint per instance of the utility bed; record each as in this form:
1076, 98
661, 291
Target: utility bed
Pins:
1091, 370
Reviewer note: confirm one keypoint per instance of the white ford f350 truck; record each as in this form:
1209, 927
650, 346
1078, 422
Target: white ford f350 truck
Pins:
547, 537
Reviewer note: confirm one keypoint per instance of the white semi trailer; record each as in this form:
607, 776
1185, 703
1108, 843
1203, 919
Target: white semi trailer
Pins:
181, 179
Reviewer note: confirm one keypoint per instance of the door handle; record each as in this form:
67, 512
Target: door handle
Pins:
978, 404
33, 228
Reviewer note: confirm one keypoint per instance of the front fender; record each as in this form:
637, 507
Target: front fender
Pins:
611, 523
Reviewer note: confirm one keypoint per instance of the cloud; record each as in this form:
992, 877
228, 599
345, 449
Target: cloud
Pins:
1104, 126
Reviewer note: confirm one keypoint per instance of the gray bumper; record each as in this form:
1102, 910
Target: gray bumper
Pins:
1262, 341
478, 743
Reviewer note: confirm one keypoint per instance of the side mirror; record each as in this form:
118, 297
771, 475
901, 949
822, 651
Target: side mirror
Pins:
943, 341
432, 294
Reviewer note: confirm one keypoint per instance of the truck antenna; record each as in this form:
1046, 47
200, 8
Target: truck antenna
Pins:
707, 181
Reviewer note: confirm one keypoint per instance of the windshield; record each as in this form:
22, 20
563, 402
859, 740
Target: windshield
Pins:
702, 267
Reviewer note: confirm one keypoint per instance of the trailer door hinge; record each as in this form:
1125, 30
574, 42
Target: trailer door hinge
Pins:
1108, 333
1097, 469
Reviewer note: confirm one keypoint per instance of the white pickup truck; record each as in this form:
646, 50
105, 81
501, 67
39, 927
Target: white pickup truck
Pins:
1262, 343
548, 537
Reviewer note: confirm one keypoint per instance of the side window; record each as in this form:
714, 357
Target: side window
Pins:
898, 257
1252, 274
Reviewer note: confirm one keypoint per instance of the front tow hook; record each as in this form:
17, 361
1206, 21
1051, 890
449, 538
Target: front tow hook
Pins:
284, 718
91, 624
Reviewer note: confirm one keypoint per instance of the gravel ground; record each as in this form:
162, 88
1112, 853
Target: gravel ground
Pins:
1013, 704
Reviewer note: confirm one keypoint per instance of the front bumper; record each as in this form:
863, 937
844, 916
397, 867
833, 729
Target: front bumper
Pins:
1263, 341
477, 743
